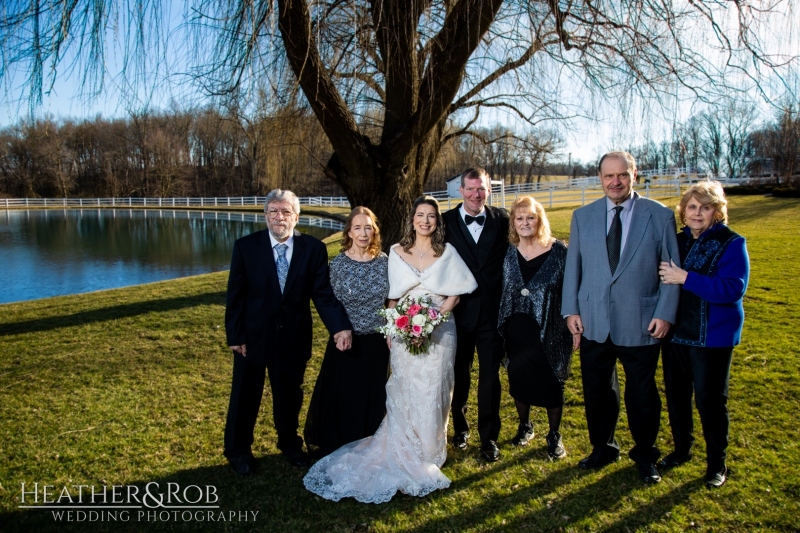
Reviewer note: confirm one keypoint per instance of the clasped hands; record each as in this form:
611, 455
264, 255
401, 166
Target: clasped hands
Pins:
343, 340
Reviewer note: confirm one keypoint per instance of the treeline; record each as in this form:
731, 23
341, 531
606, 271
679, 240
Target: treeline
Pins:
221, 153
211, 152
731, 141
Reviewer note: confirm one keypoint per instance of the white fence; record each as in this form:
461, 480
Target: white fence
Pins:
578, 191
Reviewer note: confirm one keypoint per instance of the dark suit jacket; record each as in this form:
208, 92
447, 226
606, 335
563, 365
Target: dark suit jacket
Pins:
258, 315
485, 261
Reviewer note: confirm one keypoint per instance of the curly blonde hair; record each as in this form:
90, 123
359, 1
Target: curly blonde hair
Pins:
707, 192
543, 234
374, 248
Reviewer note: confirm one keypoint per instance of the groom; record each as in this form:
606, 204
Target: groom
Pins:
479, 233
274, 276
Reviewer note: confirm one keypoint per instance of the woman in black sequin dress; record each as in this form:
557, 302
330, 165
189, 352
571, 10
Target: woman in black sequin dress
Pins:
349, 398
538, 344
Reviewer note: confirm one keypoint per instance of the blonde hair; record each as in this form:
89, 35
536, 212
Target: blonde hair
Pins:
374, 248
707, 192
543, 235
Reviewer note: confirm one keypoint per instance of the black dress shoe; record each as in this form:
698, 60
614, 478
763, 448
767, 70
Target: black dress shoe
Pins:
490, 451
460, 441
244, 464
648, 473
674, 459
598, 460
716, 478
297, 458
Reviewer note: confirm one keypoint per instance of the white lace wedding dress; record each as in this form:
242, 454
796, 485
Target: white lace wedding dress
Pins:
410, 445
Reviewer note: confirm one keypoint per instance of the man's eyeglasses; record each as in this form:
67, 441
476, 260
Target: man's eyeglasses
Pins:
285, 213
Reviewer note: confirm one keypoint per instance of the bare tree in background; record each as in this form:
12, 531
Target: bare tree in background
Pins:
738, 120
780, 142
712, 143
390, 80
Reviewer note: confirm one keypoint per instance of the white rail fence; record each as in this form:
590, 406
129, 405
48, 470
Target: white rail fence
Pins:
578, 191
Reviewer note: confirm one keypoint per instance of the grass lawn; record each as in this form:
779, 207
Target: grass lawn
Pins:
130, 386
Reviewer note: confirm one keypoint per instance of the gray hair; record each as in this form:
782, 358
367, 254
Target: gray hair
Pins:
279, 195
618, 154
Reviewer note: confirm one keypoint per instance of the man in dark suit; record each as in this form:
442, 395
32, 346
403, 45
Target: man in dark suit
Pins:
275, 273
613, 297
479, 233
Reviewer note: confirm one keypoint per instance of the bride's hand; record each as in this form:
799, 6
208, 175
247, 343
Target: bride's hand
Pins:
449, 304
389, 342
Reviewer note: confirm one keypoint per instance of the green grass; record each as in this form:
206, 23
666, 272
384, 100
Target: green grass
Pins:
130, 386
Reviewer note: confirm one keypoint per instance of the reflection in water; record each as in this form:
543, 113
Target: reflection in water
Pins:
47, 253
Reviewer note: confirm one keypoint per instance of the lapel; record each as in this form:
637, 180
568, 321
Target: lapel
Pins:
298, 258
462, 239
488, 236
269, 260
636, 229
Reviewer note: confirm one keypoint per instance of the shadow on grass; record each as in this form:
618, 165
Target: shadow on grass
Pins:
111, 313
272, 500
748, 213
602, 495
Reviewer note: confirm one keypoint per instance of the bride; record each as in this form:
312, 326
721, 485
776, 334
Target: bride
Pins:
410, 445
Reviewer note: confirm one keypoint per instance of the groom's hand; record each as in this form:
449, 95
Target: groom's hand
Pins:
343, 340
242, 350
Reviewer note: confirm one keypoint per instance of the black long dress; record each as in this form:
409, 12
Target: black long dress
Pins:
349, 398
532, 377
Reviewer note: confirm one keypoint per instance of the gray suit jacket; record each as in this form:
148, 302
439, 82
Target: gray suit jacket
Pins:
621, 305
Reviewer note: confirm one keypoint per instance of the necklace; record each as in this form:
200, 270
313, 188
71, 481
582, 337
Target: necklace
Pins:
528, 256
422, 254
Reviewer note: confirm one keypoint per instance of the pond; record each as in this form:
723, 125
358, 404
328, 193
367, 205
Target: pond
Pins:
47, 253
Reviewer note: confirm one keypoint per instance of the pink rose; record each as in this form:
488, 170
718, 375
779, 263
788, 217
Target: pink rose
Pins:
416, 330
433, 313
401, 322
414, 310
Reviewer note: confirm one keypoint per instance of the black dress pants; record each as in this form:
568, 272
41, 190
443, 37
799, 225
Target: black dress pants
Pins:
704, 372
286, 380
602, 397
489, 344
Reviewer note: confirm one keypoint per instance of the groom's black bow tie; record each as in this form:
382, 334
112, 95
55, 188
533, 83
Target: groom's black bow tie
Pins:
470, 219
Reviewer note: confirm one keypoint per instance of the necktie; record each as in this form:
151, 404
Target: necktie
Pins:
470, 219
282, 264
614, 240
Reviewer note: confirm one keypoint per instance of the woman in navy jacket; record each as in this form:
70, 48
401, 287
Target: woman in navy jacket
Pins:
697, 359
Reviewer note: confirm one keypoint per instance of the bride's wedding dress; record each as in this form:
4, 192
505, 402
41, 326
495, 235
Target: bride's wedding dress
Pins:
410, 445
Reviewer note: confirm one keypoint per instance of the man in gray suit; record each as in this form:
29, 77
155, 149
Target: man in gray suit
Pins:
613, 297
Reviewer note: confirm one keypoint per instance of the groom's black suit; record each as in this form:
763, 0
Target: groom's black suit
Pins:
476, 318
276, 327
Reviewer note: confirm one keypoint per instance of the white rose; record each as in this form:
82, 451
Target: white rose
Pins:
418, 320
428, 329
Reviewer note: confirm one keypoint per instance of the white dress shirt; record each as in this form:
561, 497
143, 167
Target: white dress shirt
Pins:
288, 242
475, 229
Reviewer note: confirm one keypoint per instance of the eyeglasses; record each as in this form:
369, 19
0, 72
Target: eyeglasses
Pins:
285, 213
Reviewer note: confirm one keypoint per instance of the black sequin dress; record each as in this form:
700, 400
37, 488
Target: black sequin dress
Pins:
537, 341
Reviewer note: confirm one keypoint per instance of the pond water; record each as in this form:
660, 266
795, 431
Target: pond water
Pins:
47, 253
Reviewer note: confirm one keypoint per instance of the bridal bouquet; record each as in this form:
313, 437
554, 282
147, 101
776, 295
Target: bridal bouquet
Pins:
412, 321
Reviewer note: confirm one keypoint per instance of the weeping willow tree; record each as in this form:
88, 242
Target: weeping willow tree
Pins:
392, 81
